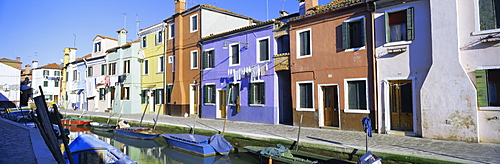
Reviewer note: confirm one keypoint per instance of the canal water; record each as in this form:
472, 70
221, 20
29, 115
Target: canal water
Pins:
158, 152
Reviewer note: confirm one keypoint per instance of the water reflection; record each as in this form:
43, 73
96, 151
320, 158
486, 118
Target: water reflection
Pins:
157, 151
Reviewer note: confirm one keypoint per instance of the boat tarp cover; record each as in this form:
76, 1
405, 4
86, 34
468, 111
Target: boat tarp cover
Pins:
89, 142
220, 144
278, 150
194, 138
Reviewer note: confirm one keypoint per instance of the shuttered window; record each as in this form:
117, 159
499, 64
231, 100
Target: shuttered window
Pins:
209, 59
356, 95
488, 87
353, 33
209, 94
234, 94
125, 93
257, 93
159, 96
399, 25
144, 96
169, 93
146, 67
489, 14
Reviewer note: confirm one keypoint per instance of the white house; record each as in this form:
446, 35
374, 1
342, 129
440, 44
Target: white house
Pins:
49, 78
9, 86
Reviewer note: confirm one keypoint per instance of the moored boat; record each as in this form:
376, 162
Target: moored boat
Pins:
76, 121
102, 126
199, 144
282, 154
89, 149
138, 132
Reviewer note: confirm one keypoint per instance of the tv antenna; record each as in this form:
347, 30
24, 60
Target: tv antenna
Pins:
124, 20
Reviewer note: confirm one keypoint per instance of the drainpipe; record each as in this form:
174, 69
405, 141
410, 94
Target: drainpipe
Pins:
372, 10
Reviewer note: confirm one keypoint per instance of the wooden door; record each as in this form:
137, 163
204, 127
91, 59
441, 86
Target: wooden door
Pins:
330, 102
222, 103
195, 100
401, 105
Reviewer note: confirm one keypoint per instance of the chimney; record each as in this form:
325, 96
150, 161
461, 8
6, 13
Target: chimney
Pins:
122, 37
27, 69
20, 64
34, 63
283, 13
69, 55
304, 5
180, 6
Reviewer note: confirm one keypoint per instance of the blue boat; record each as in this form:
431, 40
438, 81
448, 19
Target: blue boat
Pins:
199, 144
137, 142
144, 133
89, 149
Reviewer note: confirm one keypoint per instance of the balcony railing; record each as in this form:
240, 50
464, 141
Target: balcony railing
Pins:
282, 62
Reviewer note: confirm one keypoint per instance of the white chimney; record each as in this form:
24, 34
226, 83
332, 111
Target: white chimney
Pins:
304, 5
122, 37
34, 64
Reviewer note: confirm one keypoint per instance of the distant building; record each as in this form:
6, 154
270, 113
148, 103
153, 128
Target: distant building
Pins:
49, 78
9, 86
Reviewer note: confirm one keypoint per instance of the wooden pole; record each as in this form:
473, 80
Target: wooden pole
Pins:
157, 114
224, 128
144, 112
298, 136
194, 125
63, 134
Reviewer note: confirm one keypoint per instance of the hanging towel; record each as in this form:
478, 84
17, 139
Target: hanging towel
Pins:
367, 126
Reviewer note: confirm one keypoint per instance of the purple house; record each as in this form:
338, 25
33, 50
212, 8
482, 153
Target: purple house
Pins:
239, 78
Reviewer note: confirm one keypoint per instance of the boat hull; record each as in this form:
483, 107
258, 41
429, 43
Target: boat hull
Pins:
298, 157
76, 121
89, 149
102, 126
194, 143
138, 133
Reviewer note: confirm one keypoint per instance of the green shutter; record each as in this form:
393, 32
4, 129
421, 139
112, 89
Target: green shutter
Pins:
263, 93
482, 87
205, 60
251, 93
363, 33
410, 24
212, 59
205, 94
387, 28
345, 35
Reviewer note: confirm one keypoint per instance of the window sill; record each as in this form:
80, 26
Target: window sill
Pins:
485, 32
257, 105
356, 111
398, 43
159, 72
210, 104
490, 108
305, 56
305, 109
194, 68
355, 49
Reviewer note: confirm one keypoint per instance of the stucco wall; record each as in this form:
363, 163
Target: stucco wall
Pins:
10, 81
215, 22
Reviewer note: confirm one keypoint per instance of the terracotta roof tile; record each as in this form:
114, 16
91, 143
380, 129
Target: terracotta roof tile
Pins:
105, 37
335, 4
50, 66
85, 57
240, 29
9, 60
224, 10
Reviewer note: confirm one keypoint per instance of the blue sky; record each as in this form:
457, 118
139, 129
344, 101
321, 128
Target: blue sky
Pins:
40, 29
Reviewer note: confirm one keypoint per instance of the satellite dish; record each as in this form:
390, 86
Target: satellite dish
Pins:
141, 54
61, 60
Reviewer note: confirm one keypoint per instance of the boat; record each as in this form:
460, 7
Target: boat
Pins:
138, 143
176, 156
77, 128
144, 133
89, 149
76, 121
199, 144
282, 154
102, 126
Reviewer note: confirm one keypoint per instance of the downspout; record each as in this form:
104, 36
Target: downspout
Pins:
200, 56
372, 9
165, 105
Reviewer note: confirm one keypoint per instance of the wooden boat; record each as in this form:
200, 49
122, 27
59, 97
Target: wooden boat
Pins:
76, 121
138, 143
199, 144
283, 155
89, 149
102, 126
176, 156
77, 128
138, 132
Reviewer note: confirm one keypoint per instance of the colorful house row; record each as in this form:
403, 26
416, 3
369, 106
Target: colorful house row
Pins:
405, 64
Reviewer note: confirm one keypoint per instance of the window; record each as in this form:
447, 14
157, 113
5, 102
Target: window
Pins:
257, 94
305, 95
75, 75
67, 76
56, 83
146, 67
172, 31
304, 43
283, 44
125, 93
171, 60
144, 42
353, 33
48, 97
263, 49
102, 94
103, 69
159, 37
45, 83
356, 94
234, 94
161, 63
126, 66
90, 71
209, 94
194, 23
57, 73
209, 59
97, 47
45, 73
234, 54
488, 87
489, 14
112, 69
159, 96
169, 93
144, 96
399, 25
194, 59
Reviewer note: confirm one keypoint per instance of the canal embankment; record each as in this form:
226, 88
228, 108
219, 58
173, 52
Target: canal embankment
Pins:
22, 144
346, 145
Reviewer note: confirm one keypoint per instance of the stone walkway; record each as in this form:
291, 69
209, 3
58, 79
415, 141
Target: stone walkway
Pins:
453, 151
21, 144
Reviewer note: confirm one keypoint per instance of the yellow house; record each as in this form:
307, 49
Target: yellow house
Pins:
152, 53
